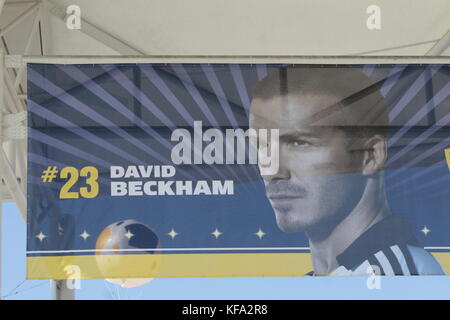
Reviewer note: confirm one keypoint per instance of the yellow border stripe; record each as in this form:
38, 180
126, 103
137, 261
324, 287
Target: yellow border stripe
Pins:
444, 260
170, 265
178, 265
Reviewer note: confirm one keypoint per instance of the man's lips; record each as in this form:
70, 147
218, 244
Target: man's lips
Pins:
280, 196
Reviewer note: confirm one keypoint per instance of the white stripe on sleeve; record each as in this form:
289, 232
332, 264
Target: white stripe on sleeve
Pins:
401, 260
384, 262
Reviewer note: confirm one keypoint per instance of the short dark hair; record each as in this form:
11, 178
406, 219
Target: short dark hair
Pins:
359, 97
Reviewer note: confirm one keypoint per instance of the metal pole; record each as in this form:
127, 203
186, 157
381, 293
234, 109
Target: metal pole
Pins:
17, 61
440, 46
21, 71
2, 3
60, 291
10, 180
20, 18
2, 101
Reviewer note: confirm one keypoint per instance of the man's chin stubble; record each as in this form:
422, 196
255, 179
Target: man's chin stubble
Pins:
289, 226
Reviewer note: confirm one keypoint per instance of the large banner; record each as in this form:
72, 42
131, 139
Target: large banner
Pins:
193, 170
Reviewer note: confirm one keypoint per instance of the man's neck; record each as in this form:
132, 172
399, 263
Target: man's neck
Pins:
371, 209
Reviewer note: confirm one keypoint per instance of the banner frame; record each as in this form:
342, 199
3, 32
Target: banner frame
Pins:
19, 61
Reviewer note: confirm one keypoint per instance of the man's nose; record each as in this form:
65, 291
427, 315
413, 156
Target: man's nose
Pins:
283, 173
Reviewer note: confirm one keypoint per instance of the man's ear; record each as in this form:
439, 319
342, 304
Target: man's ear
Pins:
375, 155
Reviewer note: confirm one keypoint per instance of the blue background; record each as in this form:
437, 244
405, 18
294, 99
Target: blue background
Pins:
83, 107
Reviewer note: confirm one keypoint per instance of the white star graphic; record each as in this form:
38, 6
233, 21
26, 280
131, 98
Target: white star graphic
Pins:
85, 235
425, 230
129, 235
216, 233
260, 233
41, 236
172, 234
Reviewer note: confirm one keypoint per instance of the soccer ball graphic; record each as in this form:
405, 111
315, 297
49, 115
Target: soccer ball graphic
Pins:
119, 240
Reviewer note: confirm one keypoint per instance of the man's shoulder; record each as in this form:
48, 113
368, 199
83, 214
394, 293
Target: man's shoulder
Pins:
396, 260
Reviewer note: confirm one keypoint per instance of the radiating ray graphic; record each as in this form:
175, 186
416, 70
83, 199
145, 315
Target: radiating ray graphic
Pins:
261, 71
417, 141
437, 148
218, 92
422, 112
386, 85
418, 84
195, 94
126, 83
188, 84
424, 171
422, 187
55, 143
52, 89
153, 76
123, 80
117, 105
159, 83
391, 79
429, 94
44, 161
240, 86
91, 85
88, 136
88, 83
368, 69
397, 135
443, 195
204, 92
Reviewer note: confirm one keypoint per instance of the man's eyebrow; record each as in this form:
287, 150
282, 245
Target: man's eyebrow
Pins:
299, 134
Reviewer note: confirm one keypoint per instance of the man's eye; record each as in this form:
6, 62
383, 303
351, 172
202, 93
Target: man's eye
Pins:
297, 143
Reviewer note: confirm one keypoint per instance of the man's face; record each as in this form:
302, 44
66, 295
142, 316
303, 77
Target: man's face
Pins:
318, 182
